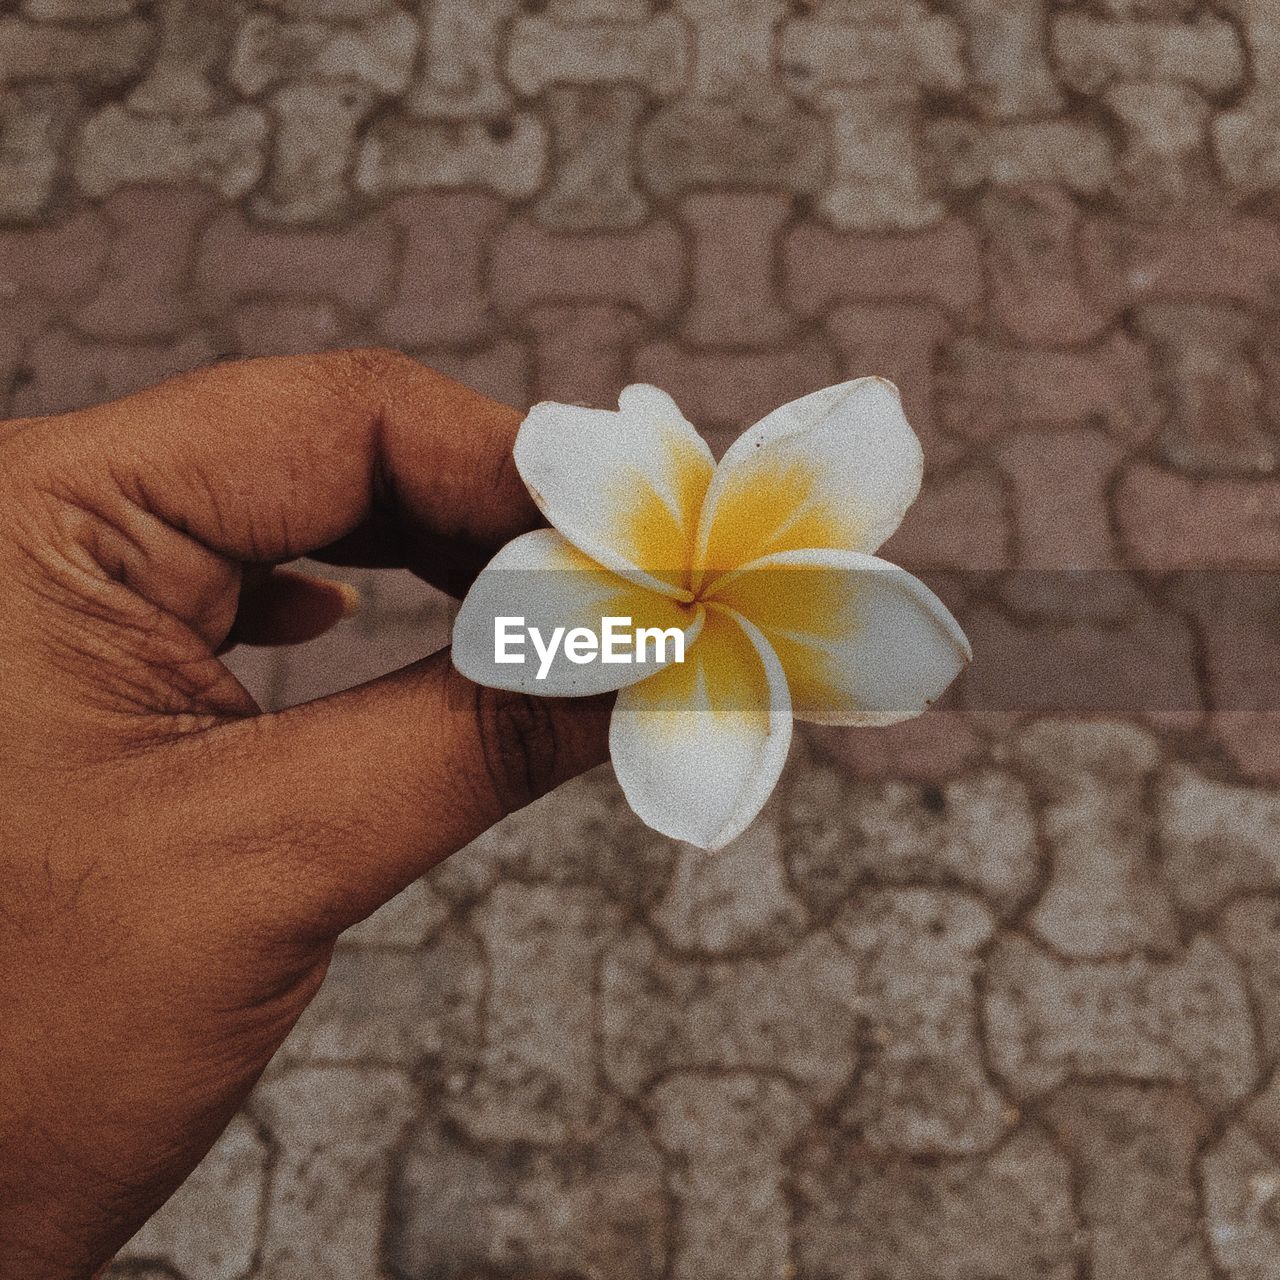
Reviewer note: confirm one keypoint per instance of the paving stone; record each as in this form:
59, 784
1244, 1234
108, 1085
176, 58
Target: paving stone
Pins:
1164, 168
844, 834
213, 1224
78, 10
1170, 521
411, 919
902, 342
738, 901
1140, 665
1068, 565
652, 54
193, 40
575, 11
1251, 740
377, 54
1235, 615
224, 151
459, 75
238, 261
104, 58
318, 125
1262, 1114
460, 1212
439, 296
1182, 1021
11, 349
1218, 839
328, 10
942, 265
1242, 1206
1244, 136
921, 1085
931, 748
1249, 928
334, 1129
988, 389
733, 44
357, 650
536, 1075
582, 354
58, 263
358, 1016
754, 139
1213, 390
1033, 255
728, 1135
641, 269
145, 290
733, 301
1010, 74
593, 180
1104, 896
1061, 526
923, 49
258, 669
731, 390
1135, 1150
1071, 154
32, 126
999, 1217
582, 834
1219, 258
1093, 53
1158, 9
795, 1014
500, 369
507, 156
65, 372
880, 180
289, 328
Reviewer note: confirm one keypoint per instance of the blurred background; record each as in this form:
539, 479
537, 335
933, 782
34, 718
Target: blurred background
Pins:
994, 994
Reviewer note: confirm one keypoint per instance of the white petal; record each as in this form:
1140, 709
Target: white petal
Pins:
861, 641
544, 579
835, 469
624, 486
698, 747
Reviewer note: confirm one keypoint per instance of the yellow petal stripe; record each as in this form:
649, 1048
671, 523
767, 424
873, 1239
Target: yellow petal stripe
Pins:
774, 503
657, 516
860, 640
809, 616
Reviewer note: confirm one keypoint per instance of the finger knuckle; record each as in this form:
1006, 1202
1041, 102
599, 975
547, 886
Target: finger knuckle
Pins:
518, 745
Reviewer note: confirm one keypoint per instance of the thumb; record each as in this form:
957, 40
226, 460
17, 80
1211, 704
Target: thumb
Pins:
344, 801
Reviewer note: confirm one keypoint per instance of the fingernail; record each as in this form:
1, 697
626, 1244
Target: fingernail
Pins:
350, 597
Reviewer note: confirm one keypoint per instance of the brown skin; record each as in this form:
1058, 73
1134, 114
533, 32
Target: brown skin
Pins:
175, 865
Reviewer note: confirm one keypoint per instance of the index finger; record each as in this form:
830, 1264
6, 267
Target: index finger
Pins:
368, 453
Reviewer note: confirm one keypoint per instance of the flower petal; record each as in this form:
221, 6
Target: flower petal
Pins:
698, 747
837, 468
861, 641
546, 581
624, 486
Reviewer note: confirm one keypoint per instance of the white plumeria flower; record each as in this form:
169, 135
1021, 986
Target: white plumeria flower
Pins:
763, 561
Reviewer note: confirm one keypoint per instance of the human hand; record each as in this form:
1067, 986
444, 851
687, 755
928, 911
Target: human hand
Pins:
177, 865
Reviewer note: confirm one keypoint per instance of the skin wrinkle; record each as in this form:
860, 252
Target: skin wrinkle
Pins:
179, 863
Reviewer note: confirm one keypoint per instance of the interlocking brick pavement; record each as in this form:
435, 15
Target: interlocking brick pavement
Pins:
995, 993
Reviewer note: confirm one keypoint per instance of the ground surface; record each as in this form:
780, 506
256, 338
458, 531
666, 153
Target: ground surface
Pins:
996, 994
